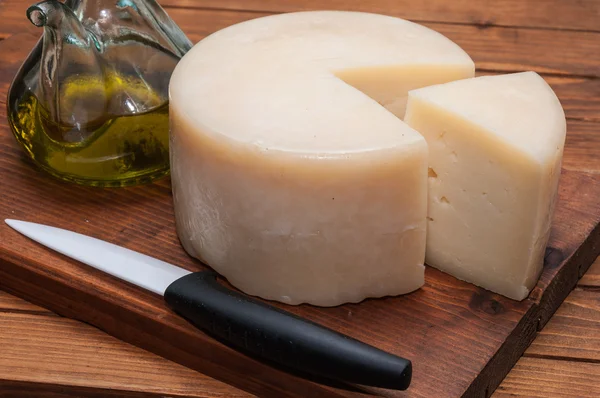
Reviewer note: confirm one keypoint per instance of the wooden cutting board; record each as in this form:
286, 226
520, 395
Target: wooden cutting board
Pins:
462, 339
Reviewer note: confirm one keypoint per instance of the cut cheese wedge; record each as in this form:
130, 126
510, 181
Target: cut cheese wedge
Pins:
495, 151
290, 176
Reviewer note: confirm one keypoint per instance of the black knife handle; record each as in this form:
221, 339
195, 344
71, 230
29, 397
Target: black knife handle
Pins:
281, 337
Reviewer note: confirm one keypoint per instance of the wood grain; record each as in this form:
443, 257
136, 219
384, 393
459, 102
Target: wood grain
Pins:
582, 149
574, 330
580, 97
592, 277
553, 14
10, 303
565, 329
543, 378
505, 49
11, 57
432, 326
105, 350
55, 353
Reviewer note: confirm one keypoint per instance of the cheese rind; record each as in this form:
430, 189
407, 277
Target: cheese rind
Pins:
287, 178
495, 147
316, 230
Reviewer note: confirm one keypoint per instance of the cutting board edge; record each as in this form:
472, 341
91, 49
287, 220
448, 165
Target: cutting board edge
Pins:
24, 282
543, 308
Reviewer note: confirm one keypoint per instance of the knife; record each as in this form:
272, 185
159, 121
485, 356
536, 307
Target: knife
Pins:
248, 325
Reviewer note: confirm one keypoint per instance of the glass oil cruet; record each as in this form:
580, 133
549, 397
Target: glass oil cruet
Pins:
90, 103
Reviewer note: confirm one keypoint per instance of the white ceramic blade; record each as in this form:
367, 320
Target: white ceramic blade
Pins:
139, 269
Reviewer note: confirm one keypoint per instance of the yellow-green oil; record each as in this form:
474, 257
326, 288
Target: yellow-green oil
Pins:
107, 151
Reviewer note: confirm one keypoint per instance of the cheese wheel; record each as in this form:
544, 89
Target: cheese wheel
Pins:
495, 147
290, 176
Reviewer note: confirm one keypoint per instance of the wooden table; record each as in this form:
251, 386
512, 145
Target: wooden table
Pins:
42, 354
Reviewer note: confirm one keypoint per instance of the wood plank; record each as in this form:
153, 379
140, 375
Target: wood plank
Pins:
13, 53
94, 345
582, 149
503, 49
543, 378
554, 14
592, 277
102, 349
21, 389
580, 97
574, 330
10, 303
14, 19
58, 353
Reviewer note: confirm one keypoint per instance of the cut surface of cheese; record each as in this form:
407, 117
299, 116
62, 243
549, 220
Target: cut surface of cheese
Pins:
495, 151
290, 176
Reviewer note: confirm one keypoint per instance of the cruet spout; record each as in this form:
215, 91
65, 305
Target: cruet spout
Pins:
70, 87
53, 14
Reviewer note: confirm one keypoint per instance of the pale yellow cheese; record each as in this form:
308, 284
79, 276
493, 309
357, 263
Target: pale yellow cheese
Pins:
289, 176
495, 150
